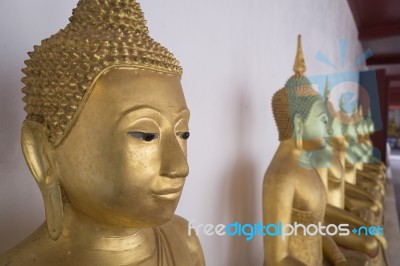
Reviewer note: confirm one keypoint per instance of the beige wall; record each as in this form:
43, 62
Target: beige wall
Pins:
235, 54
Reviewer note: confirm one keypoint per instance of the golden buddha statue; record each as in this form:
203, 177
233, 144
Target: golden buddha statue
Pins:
105, 139
292, 190
374, 165
376, 174
358, 199
373, 183
329, 163
357, 152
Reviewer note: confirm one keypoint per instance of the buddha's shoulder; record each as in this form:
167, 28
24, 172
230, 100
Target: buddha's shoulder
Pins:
178, 229
30, 251
281, 173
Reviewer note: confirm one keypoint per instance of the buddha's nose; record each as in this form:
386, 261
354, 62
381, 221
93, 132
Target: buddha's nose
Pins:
173, 159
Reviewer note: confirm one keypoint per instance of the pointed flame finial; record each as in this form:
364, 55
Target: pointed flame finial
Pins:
327, 91
342, 105
299, 63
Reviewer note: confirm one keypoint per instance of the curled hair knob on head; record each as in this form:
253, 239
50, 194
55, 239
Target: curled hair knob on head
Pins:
60, 71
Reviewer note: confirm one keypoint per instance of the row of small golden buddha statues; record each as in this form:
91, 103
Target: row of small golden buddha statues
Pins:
105, 139
323, 172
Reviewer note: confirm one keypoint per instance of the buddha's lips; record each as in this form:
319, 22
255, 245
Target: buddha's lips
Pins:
165, 195
168, 191
167, 186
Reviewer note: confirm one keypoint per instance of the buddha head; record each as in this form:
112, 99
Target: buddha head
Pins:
351, 130
366, 129
370, 129
363, 135
107, 120
299, 110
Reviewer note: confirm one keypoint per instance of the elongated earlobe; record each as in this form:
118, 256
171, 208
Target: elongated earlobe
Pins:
35, 148
54, 206
299, 142
298, 131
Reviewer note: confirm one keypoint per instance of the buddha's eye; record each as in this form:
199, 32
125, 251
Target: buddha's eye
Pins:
183, 135
144, 136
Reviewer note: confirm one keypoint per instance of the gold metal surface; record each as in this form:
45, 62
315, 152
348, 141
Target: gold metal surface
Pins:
100, 34
292, 189
368, 247
105, 139
299, 66
329, 163
348, 203
358, 200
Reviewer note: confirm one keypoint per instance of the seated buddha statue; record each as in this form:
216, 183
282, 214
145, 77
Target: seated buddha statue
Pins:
372, 181
365, 177
358, 198
374, 174
329, 163
105, 139
292, 190
357, 154
374, 165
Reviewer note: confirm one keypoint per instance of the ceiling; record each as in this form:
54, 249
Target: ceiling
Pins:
378, 24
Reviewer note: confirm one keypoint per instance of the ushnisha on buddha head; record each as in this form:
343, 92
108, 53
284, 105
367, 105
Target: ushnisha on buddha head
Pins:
107, 121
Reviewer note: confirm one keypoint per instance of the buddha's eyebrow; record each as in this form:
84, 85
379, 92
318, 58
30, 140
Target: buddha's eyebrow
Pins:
184, 112
138, 109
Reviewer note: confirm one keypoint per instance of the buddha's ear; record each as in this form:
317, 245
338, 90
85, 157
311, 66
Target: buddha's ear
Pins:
298, 124
298, 130
33, 142
36, 149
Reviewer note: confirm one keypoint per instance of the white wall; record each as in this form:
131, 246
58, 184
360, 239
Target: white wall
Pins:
235, 54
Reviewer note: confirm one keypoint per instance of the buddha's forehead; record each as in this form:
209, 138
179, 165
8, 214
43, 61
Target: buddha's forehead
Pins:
337, 125
318, 108
121, 89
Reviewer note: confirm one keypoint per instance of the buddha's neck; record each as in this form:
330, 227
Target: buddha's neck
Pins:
350, 173
323, 174
340, 156
337, 167
339, 151
301, 157
321, 162
94, 235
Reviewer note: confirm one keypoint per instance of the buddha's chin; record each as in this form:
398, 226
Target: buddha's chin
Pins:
142, 222
153, 222
152, 218
314, 145
149, 211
